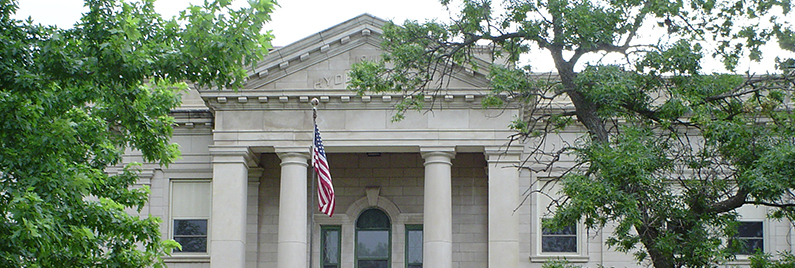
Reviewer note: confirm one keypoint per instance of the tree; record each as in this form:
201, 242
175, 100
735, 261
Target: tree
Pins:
671, 151
73, 100
763, 260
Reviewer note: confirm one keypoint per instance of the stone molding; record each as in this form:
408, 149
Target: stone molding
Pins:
337, 99
290, 64
255, 174
503, 154
293, 149
383, 203
234, 154
186, 259
364, 25
323, 219
193, 118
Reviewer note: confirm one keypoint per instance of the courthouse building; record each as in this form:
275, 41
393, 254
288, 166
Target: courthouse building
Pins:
438, 189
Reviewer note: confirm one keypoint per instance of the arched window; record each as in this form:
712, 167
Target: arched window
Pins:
373, 239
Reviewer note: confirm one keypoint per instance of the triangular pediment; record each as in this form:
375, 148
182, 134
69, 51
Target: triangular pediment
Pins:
322, 60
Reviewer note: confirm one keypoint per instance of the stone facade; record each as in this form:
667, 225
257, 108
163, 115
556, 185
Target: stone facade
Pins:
447, 170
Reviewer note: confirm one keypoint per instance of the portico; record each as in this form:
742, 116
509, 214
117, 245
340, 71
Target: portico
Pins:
443, 177
427, 193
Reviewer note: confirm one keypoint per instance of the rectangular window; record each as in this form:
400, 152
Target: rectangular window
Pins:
568, 240
190, 214
563, 240
750, 236
330, 245
413, 246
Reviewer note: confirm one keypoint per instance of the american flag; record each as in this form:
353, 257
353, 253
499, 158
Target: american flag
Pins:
325, 191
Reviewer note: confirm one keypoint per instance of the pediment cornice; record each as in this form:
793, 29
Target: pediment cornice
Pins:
290, 76
281, 62
363, 30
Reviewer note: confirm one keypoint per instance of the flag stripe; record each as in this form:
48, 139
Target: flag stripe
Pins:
325, 190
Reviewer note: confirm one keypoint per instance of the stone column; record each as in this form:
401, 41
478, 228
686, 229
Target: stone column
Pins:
438, 209
292, 241
228, 220
503, 199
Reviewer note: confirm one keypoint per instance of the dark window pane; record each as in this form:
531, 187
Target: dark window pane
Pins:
191, 234
192, 244
373, 264
749, 246
329, 266
331, 242
414, 247
190, 227
373, 219
752, 245
559, 244
750, 236
561, 240
750, 229
372, 244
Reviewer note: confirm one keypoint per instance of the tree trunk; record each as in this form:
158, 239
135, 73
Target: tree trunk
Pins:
585, 110
648, 236
586, 113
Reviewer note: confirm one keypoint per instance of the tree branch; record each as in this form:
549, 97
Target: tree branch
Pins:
729, 204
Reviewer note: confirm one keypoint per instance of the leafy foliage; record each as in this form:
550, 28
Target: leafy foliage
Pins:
73, 100
559, 264
671, 152
764, 260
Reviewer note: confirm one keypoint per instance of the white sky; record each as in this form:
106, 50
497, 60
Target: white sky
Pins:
296, 19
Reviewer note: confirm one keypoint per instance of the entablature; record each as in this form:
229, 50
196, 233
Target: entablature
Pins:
193, 118
339, 99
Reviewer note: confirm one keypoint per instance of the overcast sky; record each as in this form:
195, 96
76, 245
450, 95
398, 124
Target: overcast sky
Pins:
296, 19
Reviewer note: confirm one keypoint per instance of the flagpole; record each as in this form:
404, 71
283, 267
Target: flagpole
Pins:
313, 191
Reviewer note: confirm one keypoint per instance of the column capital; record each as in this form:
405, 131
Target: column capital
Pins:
234, 154
293, 155
433, 153
503, 154
255, 173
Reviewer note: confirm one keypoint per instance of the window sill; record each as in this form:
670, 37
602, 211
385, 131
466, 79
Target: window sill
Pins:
740, 260
184, 258
570, 258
